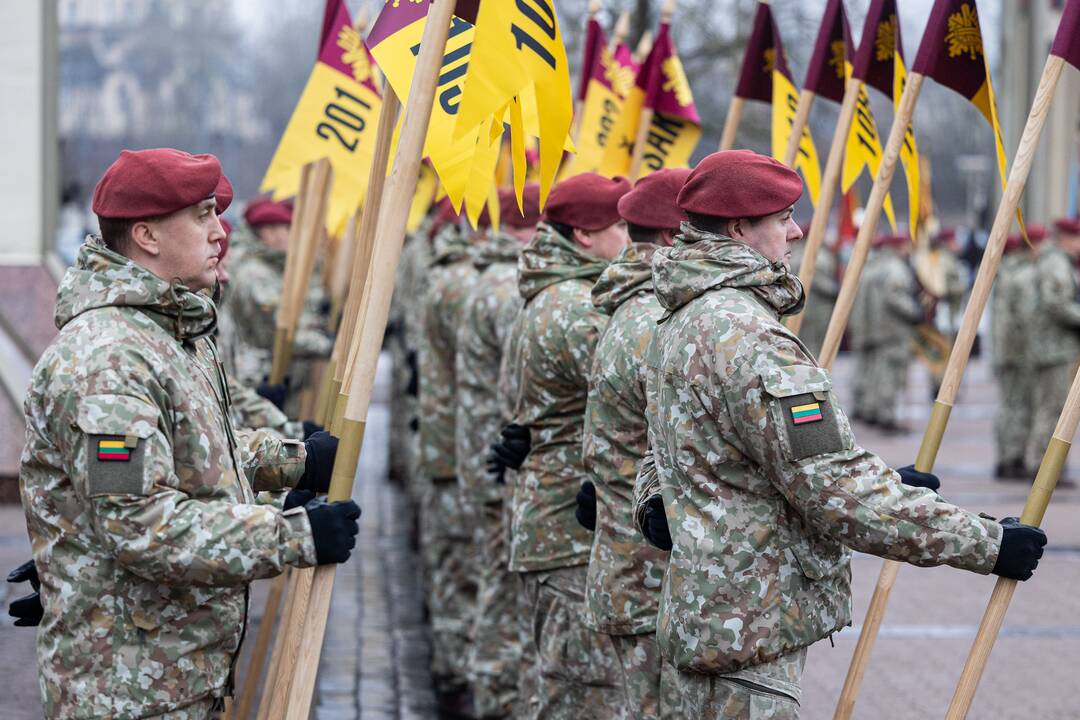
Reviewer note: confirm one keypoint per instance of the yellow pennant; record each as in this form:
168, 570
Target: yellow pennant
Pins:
599, 114
909, 152
620, 145
422, 198
863, 150
785, 98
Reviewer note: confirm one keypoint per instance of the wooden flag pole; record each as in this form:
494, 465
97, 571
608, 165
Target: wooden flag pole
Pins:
954, 371
667, 11
644, 47
390, 230
853, 273
798, 124
731, 123
834, 164
280, 363
262, 644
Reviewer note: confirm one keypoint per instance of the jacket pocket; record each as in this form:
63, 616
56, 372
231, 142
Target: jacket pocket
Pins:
803, 409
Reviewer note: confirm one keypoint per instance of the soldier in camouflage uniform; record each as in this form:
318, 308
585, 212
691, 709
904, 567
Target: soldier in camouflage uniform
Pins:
490, 309
553, 340
444, 535
258, 272
1013, 307
622, 592
889, 314
757, 472
822, 295
1055, 342
143, 524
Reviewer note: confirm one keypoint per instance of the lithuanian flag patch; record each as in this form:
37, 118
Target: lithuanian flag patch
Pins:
113, 451
808, 413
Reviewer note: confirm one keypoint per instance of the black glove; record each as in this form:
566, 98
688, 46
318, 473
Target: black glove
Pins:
274, 392
496, 468
297, 498
413, 388
910, 476
321, 450
333, 528
514, 446
1021, 548
26, 610
310, 428
655, 527
414, 424
586, 506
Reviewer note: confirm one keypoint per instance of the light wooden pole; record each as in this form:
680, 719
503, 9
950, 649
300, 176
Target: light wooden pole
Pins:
644, 47
731, 123
834, 164
950, 385
390, 230
798, 124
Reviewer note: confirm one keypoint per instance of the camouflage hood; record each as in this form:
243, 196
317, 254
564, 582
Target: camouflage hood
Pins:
549, 258
628, 274
701, 261
102, 278
497, 247
450, 246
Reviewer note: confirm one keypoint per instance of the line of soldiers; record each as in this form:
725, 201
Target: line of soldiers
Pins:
664, 521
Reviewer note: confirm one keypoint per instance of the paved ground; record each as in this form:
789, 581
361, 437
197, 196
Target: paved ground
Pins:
375, 659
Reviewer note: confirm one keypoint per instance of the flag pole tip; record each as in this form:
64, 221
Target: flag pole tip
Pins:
667, 10
595, 6
622, 26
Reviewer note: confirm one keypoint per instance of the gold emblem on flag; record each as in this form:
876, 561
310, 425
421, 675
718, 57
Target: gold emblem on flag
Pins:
397, 3
838, 57
675, 81
354, 54
964, 35
620, 78
770, 61
885, 41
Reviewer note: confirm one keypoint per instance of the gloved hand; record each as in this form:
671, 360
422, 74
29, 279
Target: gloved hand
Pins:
297, 498
495, 467
274, 392
655, 527
586, 506
414, 424
26, 610
1021, 548
333, 528
310, 428
514, 446
321, 450
413, 388
910, 476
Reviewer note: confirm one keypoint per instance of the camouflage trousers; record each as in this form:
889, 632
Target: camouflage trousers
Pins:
770, 691
578, 667
1012, 426
495, 639
885, 382
1051, 387
208, 709
815, 322
641, 663
451, 587
529, 672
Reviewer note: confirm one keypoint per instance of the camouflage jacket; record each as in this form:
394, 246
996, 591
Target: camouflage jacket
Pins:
490, 309
137, 498
890, 310
763, 482
450, 278
555, 334
257, 274
1013, 309
625, 572
1056, 331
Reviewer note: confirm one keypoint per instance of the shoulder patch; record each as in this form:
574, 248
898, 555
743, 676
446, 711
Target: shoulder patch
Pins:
803, 408
114, 465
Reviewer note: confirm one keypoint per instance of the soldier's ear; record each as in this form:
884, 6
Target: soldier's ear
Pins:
142, 234
583, 238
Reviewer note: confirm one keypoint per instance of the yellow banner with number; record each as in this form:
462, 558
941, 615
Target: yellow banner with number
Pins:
785, 99
863, 150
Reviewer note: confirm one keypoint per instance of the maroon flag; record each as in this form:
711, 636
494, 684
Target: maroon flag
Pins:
1067, 41
667, 90
764, 52
825, 72
874, 60
595, 41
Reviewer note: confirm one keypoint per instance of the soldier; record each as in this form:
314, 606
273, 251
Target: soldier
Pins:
822, 295
258, 273
134, 481
1055, 345
889, 316
622, 592
756, 467
445, 540
552, 341
1013, 308
490, 309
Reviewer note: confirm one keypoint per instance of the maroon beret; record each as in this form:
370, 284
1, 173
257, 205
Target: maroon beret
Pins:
896, 240
587, 201
227, 227
149, 183
1014, 242
1035, 233
739, 184
509, 214
1067, 226
947, 234
444, 213
652, 204
264, 211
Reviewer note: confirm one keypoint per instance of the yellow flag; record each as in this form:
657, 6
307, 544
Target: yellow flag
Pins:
422, 198
863, 150
909, 152
784, 101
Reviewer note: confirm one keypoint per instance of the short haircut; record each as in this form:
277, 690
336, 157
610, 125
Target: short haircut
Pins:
717, 225
642, 234
116, 233
565, 230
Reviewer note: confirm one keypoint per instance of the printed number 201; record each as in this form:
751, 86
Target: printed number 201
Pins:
343, 117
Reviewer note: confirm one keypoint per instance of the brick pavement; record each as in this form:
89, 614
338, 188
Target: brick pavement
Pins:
375, 658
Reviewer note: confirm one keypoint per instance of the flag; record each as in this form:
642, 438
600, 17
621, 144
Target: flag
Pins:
595, 40
423, 197
1067, 40
951, 52
335, 118
766, 77
826, 74
660, 85
608, 83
